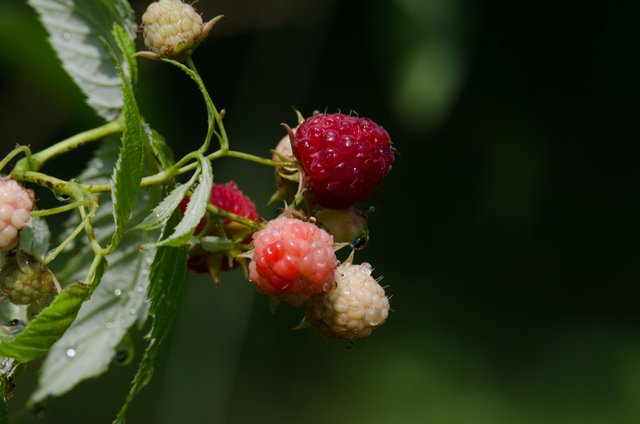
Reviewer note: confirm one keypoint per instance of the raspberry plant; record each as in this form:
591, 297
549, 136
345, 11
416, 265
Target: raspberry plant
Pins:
138, 220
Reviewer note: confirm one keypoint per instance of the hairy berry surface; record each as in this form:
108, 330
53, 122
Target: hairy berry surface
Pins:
345, 158
353, 308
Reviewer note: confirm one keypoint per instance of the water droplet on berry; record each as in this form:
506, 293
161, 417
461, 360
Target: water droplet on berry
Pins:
71, 353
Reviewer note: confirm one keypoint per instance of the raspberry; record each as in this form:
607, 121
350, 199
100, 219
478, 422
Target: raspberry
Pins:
16, 203
353, 308
24, 280
230, 198
345, 225
345, 158
292, 260
171, 28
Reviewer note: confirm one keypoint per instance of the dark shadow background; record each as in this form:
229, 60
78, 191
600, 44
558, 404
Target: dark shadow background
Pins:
507, 232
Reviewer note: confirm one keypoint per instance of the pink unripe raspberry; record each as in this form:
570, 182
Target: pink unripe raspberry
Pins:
16, 203
353, 308
171, 27
292, 260
345, 158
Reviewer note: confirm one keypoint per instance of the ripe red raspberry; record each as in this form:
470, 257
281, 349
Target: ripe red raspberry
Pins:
230, 198
292, 260
345, 158
353, 308
16, 203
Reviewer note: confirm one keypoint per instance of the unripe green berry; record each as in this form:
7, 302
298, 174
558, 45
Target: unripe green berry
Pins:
24, 280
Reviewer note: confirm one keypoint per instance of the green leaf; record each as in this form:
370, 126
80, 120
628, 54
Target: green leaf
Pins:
35, 239
128, 48
101, 324
48, 326
161, 151
116, 304
129, 168
10, 312
162, 212
167, 281
215, 244
76, 30
196, 208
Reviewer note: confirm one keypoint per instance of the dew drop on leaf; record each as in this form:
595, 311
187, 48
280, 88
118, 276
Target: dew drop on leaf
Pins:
71, 352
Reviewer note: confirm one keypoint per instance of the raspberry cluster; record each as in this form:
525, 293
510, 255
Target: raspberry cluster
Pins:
16, 203
171, 27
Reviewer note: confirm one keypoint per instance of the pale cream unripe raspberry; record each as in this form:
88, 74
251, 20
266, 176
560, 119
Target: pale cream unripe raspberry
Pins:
171, 28
16, 203
355, 306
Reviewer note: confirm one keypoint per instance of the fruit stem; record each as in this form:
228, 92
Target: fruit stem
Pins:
61, 209
54, 253
15, 152
232, 216
37, 160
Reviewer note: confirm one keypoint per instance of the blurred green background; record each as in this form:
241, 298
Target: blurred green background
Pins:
507, 231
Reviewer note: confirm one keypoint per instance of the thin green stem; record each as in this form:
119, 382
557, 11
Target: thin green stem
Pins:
15, 152
258, 159
213, 113
57, 185
97, 260
95, 245
61, 209
54, 253
37, 160
232, 216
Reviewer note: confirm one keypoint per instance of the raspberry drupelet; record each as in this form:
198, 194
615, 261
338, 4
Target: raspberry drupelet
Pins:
292, 260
